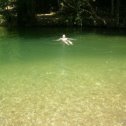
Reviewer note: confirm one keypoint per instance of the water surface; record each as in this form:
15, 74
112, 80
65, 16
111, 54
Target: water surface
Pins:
46, 83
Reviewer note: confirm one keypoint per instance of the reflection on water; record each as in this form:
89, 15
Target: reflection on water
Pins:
46, 83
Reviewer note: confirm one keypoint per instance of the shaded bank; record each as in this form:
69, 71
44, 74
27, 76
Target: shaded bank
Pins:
60, 20
63, 20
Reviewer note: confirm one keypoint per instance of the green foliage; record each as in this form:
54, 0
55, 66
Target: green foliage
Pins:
76, 12
3, 4
5, 10
81, 10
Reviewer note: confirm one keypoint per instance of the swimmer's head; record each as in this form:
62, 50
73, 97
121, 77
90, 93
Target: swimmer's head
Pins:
64, 36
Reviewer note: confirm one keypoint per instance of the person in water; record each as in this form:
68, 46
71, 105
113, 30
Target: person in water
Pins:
66, 40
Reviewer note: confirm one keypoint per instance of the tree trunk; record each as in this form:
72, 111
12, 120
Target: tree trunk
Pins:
112, 7
26, 12
117, 11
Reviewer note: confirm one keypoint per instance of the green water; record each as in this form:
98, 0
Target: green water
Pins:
46, 83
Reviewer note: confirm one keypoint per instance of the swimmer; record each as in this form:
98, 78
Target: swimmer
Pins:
66, 40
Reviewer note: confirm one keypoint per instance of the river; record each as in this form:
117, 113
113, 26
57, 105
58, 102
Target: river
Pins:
46, 83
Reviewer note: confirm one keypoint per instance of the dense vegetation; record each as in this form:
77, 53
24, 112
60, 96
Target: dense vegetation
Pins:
71, 12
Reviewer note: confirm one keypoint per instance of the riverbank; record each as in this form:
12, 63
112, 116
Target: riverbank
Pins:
55, 19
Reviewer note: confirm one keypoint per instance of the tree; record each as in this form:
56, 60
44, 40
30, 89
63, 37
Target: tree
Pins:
81, 11
7, 10
117, 11
112, 7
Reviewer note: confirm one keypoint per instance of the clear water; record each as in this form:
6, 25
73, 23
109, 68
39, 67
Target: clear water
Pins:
46, 83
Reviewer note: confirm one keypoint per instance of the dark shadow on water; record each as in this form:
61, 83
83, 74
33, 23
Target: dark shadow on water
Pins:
39, 32
56, 32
